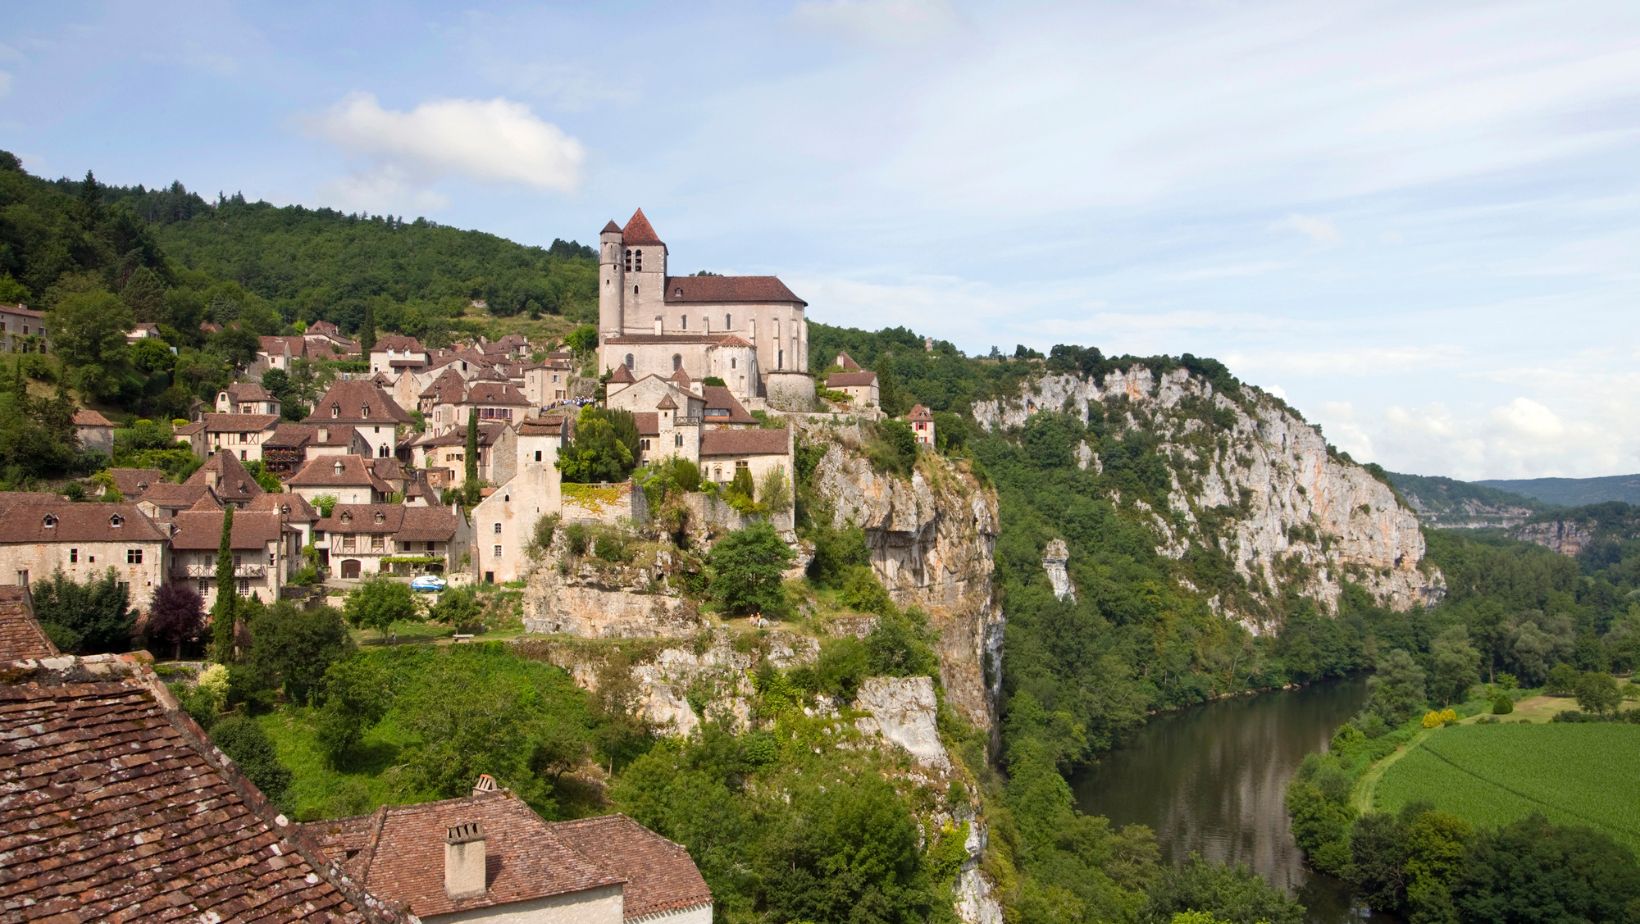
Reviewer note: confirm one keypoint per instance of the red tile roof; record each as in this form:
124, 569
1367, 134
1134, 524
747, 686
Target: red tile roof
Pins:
133, 481
648, 423
611, 228
496, 393
20, 635
20, 310
86, 417
117, 808
226, 475
720, 289
350, 400
293, 508
639, 232
847, 363
336, 472
47, 518
659, 874
621, 374
168, 496
238, 423
200, 530
407, 524
398, 343
446, 387
918, 412
727, 409
744, 443
248, 391
850, 379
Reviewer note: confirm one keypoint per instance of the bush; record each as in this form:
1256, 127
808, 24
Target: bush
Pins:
862, 591
244, 741
577, 536
541, 535
1502, 705
747, 567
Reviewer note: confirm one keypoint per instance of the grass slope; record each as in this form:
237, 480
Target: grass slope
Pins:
1575, 774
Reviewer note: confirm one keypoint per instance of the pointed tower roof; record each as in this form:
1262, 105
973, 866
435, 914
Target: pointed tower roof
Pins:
622, 375
639, 231
611, 228
667, 404
681, 377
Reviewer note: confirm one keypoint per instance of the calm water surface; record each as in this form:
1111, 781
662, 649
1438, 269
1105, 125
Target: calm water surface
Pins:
1211, 780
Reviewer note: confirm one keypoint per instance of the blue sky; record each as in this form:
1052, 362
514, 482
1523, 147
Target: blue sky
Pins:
1419, 223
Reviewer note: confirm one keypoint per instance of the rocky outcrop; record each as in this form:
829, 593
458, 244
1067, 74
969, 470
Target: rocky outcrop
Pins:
976, 901
931, 537
1054, 559
1253, 480
588, 597
1566, 536
903, 712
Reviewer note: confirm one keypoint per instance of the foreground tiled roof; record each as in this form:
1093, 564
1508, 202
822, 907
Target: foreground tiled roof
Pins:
744, 443
720, 399
918, 412
20, 636
659, 873
41, 518
248, 391
495, 393
238, 423
322, 471
293, 508
709, 289
398, 853
168, 496
407, 524
116, 808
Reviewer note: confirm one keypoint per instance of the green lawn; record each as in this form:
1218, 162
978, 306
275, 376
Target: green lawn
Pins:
1575, 774
319, 791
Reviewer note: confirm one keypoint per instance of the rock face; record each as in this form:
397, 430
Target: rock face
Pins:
1566, 536
595, 599
1289, 512
903, 711
1054, 559
931, 538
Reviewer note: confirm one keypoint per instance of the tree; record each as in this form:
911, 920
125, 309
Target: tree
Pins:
1455, 666
1561, 680
224, 612
248, 745
85, 618
1227, 893
176, 615
582, 340
1396, 691
367, 330
601, 451
458, 607
1598, 692
294, 647
379, 603
1530, 870
471, 459
357, 695
746, 569
88, 331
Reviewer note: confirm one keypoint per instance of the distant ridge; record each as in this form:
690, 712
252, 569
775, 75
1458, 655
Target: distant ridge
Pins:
1449, 503
1573, 492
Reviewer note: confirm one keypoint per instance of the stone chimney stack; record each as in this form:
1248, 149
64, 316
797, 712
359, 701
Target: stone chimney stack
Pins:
464, 861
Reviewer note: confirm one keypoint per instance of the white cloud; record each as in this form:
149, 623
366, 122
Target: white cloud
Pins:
887, 21
496, 141
1375, 361
1317, 228
384, 189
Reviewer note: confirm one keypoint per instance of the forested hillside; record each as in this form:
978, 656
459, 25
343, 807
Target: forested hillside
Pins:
1447, 502
1573, 492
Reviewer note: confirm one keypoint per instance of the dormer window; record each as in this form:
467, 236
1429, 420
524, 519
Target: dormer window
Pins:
50, 521
337, 466
677, 292
364, 411
347, 517
335, 410
116, 521
380, 517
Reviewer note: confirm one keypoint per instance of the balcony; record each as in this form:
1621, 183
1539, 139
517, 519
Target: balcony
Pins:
209, 571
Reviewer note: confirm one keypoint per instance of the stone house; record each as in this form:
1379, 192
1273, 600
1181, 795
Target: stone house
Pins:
444, 457
374, 415
227, 478
394, 353
23, 330
241, 434
293, 445
360, 540
246, 398
493, 401
41, 534
293, 510
346, 478
548, 382
723, 452
859, 384
162, 502
489, 857
95, 431
504, 522
922, 425
266, 552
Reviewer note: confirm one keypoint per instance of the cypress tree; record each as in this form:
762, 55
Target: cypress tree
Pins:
471, 486
224, 612
367, 330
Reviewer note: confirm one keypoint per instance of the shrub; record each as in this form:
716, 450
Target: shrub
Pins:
244, 741
577, 537
1502, 705
747, 567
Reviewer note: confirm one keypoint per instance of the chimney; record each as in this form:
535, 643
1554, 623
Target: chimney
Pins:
485, 784
464, 861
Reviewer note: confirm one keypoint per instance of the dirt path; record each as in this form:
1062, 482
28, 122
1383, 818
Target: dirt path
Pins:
1361, 795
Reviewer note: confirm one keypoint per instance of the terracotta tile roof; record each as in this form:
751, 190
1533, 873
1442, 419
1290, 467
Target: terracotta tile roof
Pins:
488, 432
680, 377
446, 388
621, 375
918, 412
47, 518
398, 343
200, 530
278, 346
336, 472
388, 469
297, 435
350, 400
226, 475
86, 417
552, 425
293, 508
31, 313
666, 404
850, 379
20, 635
735, 340
324, 328
168, 496
639, 232
496, 393
189, 429
248, 391
133, 481
407, 524
721, 406
659, 874
719, 289
648, 422
117, 808
847, 363
398, 853
611, 228
744, 442
238, 423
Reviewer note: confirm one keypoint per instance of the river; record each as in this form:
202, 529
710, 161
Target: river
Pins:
1211, 780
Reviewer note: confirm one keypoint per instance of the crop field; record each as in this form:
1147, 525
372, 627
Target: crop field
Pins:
1493, 774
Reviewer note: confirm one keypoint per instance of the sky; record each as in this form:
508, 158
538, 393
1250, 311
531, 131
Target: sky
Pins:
1419, 223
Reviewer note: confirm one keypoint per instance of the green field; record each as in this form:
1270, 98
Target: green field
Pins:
1493, 774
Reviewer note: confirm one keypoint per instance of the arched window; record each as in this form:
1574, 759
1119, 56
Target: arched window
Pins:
683, 322
629, 362
637, 261
728, 322
634, 290
677, 361
629, 259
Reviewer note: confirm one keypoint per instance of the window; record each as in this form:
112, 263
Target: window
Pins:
643, 444
677, 440
133, 556
677, 292
497, 550
731, 362
634, 290
629, 259
22, 576
538, 455
498, 529
677, 361
335, 410
242, 456
683, 321
73, 555
116, 521
50, 520
204, 587
780, 359
244, 586
629, 362
238, 560
637, 261
728, 322
364, 411
378, 543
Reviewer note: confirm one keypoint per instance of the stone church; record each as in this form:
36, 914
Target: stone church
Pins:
749, 331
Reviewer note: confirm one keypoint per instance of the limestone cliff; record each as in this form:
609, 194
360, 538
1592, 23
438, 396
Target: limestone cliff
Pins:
1570, 532
931, 537
1248, 477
